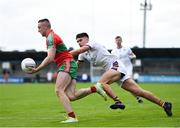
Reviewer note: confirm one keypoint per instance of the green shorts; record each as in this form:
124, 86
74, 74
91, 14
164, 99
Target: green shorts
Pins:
69, 66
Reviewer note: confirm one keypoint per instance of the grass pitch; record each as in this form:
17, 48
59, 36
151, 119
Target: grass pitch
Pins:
36, 105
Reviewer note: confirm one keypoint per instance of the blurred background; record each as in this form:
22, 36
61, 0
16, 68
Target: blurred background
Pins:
149, 27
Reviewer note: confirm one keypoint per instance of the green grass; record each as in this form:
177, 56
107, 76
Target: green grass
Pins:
35, 105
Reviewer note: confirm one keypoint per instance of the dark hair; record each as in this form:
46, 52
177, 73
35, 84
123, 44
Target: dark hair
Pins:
45, 20
117, 37
80, 35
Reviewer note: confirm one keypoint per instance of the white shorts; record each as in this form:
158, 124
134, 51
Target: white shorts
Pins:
118, 66
129, 70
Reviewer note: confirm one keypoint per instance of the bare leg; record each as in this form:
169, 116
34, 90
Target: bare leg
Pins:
109, 77
131, 86
63, 80
138, 98
74, 94
134, 88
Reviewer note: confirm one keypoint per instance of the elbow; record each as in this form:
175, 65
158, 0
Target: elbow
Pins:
50, 59
74, 53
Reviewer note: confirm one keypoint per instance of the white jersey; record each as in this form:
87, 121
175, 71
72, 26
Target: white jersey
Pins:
124, 54
100, 56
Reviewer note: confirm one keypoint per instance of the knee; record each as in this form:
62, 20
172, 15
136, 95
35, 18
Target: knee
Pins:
62, 93
59, 90
59, 93
72, 98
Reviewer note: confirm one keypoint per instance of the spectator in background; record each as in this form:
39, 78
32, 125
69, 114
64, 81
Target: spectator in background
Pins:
49, 76
6, 66
126, 56
84, 77
6, 74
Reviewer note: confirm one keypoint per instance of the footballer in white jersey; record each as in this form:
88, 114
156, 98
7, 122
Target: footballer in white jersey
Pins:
115, 71
126, 55
100, 56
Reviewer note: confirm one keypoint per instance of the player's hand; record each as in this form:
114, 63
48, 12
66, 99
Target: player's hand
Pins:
32, 70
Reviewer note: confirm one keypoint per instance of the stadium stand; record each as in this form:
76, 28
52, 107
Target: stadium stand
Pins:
153, 62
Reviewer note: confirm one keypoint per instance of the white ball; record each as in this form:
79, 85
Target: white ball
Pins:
28, 63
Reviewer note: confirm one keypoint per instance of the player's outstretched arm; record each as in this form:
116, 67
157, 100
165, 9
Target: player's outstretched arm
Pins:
50, 57
80, 50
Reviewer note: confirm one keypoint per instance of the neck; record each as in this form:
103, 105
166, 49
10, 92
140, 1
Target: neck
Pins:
48, 31
119, 47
